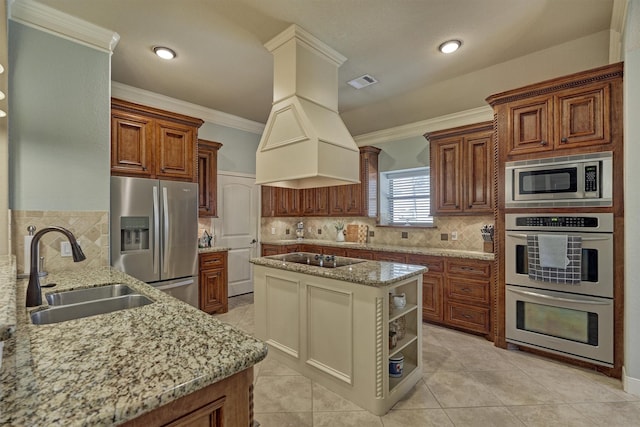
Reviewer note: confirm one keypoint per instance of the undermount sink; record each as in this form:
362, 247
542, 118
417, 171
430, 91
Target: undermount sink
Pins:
63, 313
326, 261
88, 294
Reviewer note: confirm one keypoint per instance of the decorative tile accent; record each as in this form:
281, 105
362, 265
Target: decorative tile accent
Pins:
90, 228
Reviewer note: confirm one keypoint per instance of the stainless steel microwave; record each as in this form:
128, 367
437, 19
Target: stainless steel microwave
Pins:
581, 180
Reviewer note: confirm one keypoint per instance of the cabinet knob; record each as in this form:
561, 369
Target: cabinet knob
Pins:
144, 168
162, 170
465, 290
466, 316
543, 142
564, 140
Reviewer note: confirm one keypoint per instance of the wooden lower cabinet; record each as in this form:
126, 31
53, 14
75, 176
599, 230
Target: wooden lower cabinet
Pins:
228, 402
213, 282
268, 250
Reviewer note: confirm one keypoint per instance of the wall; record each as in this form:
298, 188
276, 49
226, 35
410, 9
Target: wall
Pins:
632, 198
4, 142
238, 152
58, 143
406, 153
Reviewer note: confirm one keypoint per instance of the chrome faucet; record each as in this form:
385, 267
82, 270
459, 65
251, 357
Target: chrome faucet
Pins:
34, 294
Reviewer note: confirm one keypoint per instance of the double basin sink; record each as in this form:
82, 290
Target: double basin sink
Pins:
317, 260
76, 304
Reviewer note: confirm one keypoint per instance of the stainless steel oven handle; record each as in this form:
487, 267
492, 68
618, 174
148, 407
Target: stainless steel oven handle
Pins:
535, 294
588, 239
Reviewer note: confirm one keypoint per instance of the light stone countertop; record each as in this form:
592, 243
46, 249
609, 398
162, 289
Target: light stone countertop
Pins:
7, 297
416, 250
106, 369
369, 273
212, 249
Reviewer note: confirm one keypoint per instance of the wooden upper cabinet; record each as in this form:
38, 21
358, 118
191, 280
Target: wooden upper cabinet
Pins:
174, 151
532, 129
208, 178
131, 140
151, 143
267, 203
314, 201
287, 202
561, 116
462, 169
584, 116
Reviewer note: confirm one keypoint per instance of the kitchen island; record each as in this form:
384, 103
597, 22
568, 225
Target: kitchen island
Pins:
333, 323
147, 365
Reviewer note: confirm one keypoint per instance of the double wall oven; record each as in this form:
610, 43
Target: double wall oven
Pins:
568, 317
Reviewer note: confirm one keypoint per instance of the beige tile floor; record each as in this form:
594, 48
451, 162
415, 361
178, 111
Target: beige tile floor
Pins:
466, 382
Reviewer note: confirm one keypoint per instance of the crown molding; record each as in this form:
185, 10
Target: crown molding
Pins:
152, 99
308, 39
616, 30
45, 18
467, 117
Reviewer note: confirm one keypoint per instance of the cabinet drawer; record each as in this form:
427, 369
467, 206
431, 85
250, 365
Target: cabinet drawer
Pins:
469, 268
468, 290
434, 264
472, 318
210, 260
390, 257
359, 253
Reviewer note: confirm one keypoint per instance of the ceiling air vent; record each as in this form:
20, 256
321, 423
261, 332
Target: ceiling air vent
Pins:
362, 81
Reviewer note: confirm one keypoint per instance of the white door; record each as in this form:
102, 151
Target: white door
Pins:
238, 228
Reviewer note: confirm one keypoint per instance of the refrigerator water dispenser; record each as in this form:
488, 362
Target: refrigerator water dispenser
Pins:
134, 233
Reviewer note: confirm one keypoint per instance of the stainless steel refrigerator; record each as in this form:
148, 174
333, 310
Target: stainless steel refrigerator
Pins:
154, 231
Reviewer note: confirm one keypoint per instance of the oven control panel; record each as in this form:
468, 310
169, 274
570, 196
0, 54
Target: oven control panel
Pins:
557, 221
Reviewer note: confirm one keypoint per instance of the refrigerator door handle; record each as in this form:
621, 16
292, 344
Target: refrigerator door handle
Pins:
156, 229
165, 250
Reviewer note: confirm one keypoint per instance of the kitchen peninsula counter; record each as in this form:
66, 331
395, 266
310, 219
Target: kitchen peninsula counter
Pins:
111, 368
415, 250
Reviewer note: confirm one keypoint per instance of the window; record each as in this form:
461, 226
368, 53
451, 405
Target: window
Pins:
406, 197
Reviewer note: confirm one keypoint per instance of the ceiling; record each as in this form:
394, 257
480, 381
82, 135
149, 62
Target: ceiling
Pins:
222, 63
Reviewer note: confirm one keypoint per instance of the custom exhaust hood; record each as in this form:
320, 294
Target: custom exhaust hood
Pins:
305, 143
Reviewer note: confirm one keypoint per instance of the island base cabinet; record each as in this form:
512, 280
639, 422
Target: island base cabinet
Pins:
337, 333
228, 403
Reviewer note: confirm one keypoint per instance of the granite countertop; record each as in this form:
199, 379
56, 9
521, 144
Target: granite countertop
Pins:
212, 249
7, 297
370, 273
107, 369
458, 253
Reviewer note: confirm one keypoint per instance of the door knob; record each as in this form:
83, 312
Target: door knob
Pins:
253, 241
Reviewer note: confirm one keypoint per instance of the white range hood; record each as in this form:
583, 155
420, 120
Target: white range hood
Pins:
305, 143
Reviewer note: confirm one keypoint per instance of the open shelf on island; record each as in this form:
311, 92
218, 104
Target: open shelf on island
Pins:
399, 312
408, 368
403, 343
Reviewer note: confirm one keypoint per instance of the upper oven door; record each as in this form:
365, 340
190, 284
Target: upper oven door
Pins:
565, 181
597, 264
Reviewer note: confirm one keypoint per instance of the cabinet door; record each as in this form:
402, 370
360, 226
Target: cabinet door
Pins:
208, 416
432, 302
268, 207
175, 148
478, 173
213, 282
390, 257
314, 201
584, 117
345, 200
448, 172
208, 179
268, 250
531, 123
131, 144
287, 202
360, 253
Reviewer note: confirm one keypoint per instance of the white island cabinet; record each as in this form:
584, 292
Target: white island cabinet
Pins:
332, 325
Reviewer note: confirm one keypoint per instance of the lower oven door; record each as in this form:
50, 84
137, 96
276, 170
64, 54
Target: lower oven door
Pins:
573, 325
597, 264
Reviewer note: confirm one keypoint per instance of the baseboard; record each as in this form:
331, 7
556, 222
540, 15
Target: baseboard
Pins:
631, 385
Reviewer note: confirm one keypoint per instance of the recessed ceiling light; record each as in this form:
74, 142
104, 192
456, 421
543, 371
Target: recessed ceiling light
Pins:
449, 46
164, 52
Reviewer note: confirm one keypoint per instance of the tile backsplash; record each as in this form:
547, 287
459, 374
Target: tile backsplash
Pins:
467, 229
90, 228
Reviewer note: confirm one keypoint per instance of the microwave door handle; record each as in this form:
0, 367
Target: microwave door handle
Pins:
584, 239
156, 229
549, 297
